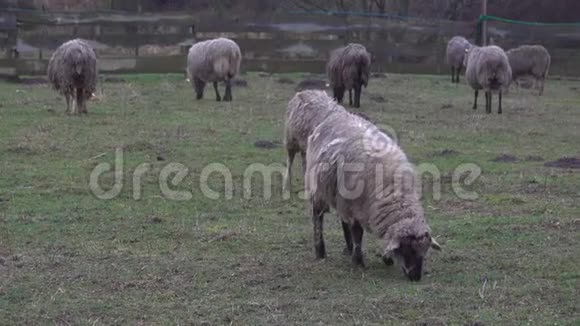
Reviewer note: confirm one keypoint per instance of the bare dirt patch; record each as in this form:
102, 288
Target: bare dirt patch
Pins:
505, 158
534, 158
564, 163
266, 144
238, 82
446, 152
285, 80
377, 98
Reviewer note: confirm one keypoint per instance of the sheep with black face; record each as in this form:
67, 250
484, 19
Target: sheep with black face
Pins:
363, 174
487, 68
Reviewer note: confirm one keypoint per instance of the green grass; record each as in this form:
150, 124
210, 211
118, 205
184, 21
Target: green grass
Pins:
510, 257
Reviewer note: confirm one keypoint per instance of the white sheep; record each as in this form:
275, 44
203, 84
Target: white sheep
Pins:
487, 68
360, 172
304, 112
213, 61
530, 60
456, 48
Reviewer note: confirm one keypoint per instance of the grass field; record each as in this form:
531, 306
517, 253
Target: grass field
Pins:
510, 257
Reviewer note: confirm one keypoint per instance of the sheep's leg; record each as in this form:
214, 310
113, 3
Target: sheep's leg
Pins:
68, 103
487, 102
457, 75
357, 91
347, 239
303, 156
217, 92
335, 92
350, 96
475, 99
79, 100
199, 86
339, 94
317, 219
541, 81
288, 176
499, 99
228, 96
82, 101
357, 236
452, 74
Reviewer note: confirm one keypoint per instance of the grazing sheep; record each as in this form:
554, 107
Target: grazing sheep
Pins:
455, 53
349, 68
487, 68
360, 172
530, 60
72, 70
305, 111
213, 61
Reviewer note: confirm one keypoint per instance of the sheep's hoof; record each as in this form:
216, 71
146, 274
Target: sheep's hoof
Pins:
320, 252
388, 261
357, 260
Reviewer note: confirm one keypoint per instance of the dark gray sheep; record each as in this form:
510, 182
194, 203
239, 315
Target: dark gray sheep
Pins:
363, 174
487, 68
530, 60
72, 71
213, 61
456, 50
349, 68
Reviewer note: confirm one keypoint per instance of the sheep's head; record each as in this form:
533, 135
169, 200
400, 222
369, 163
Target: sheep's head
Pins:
408, 251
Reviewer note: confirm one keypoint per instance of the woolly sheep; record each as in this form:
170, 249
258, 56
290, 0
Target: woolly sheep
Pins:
361, 173
213, 61
72, 71
530, 60
304, 112
348, 68
455, 52
487, 68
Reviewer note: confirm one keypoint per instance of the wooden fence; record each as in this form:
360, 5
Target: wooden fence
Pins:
281, 43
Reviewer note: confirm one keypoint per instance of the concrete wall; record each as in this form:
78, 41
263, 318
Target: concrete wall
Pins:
281, 43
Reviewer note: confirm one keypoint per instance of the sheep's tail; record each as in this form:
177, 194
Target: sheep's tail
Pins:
228, 65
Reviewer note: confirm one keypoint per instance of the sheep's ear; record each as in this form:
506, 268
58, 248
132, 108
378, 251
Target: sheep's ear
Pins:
434, 244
